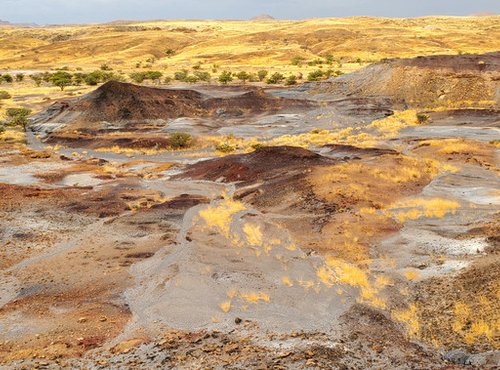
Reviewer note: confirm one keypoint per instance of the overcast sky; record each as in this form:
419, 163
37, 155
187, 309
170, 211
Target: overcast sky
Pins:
83, 11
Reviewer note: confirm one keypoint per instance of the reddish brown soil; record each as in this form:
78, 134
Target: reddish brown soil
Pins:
265, 163
116, 101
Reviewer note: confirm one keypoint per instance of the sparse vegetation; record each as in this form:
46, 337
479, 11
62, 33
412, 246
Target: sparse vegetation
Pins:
4, 95
275, 78
262, 74
291, 80
225, 77
225, 148
61, 79
180, 140
18, 117
422, 118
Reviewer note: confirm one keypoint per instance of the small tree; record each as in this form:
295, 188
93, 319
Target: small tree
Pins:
18, 117
243, 76
61, 79
37, 79
19, 77
225, 77
276, 78
262, 74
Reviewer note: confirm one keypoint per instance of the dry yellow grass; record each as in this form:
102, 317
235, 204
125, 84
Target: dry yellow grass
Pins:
237, 44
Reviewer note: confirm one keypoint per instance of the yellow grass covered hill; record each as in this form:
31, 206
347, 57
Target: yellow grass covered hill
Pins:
235, 44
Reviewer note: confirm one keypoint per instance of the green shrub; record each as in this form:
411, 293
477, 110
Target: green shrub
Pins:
422, 118
291, 80
61, 79
19, 77
297, 61
315, 75
153, 75
181, 75
225, 148
243, 76
275, 78
192, 79
37, 79
203, 76
105, 67
4, 95
138, 77
262, 74
2, 129
7, 78
180, 140
225, 77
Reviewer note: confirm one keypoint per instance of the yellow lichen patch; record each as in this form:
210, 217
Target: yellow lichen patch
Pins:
412, 209
253, 234
409, 317
255, 297
220, 216
225, 306
285, 280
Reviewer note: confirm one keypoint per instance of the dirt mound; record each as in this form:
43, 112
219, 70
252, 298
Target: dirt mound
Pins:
425, 81
122, 102
264, 163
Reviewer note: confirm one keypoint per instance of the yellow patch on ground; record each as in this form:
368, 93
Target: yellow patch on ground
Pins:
253, 234
391, 125
285, 280
220, 216
225, 306
412, 209
409, 317
255, 297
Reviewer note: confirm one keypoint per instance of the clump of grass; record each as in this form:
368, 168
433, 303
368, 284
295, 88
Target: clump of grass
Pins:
180, 140
422, 118
225, 148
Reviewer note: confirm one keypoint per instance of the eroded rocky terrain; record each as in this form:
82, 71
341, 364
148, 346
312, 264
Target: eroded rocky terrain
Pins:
344, 227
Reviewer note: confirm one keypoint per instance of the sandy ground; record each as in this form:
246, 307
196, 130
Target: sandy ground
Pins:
379, 252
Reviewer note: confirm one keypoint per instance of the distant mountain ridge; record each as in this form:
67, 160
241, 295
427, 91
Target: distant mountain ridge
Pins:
263, 17
7, 23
